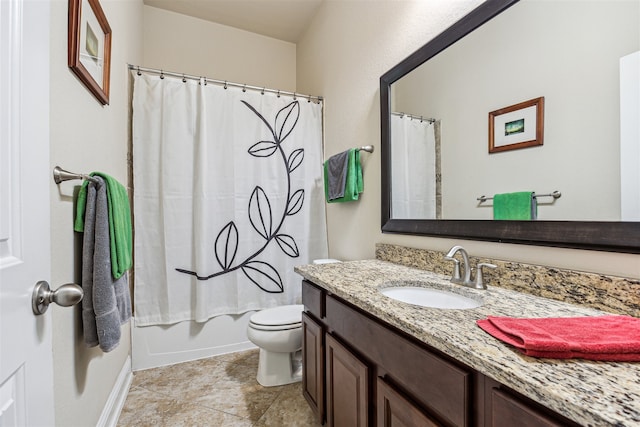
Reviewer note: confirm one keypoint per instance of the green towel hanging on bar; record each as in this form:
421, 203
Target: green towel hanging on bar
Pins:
515, 206
120, 229
354, 184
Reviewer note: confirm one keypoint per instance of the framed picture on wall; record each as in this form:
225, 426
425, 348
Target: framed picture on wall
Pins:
518, 126
89, 46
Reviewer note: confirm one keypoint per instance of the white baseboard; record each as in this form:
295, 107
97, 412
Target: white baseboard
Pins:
117, 397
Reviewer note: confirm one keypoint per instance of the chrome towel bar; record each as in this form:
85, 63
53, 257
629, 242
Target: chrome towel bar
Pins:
61, 175
367, 148
556, 195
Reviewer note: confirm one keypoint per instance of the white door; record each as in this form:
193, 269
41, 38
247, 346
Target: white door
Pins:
26, 377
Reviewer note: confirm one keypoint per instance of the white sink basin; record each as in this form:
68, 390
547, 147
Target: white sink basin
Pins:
429, 297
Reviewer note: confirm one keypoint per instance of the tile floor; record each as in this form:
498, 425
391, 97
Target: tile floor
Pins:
219, 391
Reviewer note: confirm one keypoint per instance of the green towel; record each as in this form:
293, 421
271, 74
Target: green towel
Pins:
354, 184
120, 231
515, 206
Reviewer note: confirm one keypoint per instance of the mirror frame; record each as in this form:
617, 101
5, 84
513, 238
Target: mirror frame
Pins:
593, 235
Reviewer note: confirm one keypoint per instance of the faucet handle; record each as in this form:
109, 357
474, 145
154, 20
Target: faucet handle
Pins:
479, 280
456, 269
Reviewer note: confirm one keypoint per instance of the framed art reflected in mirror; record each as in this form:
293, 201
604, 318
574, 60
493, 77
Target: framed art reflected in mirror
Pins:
517, 126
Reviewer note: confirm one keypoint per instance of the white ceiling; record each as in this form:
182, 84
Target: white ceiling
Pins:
280, 19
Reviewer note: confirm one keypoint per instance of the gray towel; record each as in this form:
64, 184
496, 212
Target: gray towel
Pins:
337, 166
107, 303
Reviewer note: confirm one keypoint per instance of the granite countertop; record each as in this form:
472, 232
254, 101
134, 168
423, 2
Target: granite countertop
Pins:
588, 392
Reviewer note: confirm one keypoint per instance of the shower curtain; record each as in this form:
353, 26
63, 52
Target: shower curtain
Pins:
413, 168
228, 198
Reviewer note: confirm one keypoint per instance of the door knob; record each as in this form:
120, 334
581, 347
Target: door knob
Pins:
65, 296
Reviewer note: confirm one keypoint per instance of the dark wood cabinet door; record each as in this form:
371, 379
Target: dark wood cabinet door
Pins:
313, 365
394, 410
347, 387
508, 411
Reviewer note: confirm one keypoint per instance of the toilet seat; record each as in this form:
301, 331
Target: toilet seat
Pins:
278, 318
275, 328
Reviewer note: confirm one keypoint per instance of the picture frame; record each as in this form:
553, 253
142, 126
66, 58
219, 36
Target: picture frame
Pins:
518, 126
89, 46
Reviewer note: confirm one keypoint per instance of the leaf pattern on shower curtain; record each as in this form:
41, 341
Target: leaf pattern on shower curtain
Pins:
261, 273
227, 245
256, 271
260, 213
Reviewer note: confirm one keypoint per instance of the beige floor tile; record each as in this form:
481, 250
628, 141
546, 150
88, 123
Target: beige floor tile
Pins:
143, 408
290, 409
218, 391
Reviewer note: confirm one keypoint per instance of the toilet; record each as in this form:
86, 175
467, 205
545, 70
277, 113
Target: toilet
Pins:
277, 332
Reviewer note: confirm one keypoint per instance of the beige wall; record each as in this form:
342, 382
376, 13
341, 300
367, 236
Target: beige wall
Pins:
86, 136
342, 56
202, 48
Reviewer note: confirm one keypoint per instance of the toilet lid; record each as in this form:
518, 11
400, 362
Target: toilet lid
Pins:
286, 316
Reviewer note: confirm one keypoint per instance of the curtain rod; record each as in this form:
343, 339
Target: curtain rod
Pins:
413, 117
224, 83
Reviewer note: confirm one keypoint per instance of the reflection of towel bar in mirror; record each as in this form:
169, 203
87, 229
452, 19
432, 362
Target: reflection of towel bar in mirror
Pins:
61, 175
556, 195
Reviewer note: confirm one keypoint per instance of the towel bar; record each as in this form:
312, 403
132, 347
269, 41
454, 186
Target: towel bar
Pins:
367, 148
556, 195
61, 175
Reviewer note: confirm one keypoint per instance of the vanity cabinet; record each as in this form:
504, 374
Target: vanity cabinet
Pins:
347, 380
363, 372
313, 365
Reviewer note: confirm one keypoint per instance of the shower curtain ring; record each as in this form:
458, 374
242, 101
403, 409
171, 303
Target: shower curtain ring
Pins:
184, 79
244, 87
294, 96
262, 91
139, 73
225, 84
278, 94
309, 98
161, 75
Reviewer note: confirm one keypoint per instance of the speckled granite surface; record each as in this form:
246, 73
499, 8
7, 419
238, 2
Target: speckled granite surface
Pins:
591, 393
609, 293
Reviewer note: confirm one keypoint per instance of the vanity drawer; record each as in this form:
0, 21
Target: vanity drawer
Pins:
313, 299
441, 387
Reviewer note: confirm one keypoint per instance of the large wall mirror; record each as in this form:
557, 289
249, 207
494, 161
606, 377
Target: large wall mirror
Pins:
577, 60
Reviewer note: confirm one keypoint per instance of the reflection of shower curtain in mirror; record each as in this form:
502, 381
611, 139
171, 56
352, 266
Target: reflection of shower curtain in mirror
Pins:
413, 169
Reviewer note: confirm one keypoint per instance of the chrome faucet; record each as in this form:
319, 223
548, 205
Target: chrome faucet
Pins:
456, 265
466, 281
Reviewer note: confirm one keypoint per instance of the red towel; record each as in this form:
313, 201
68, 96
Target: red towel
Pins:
611, 338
